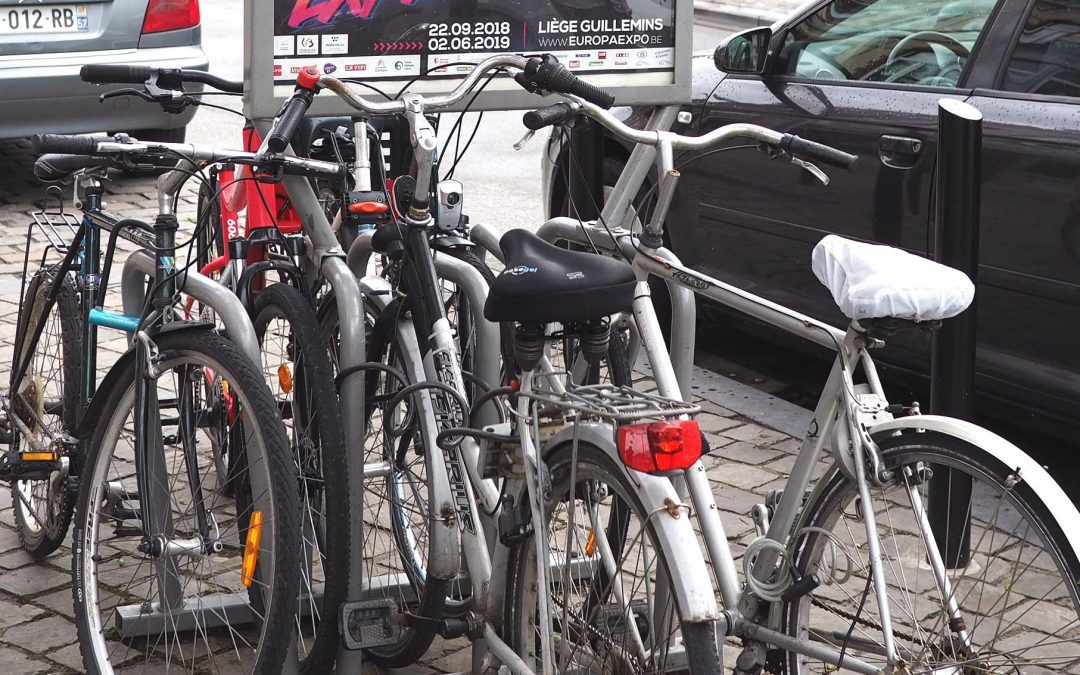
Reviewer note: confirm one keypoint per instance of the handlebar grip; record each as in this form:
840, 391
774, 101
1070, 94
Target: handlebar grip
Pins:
593, 94
560, 113
115, 74
548, 73
797, 146
64, 145
288, 122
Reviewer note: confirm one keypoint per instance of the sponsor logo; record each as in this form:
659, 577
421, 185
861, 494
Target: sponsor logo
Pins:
278, 70
380, 67
602, 55
690, 280
448, 415
329, 68
621, 55
586, 55
574, 63
644, 63
596, 63
307, 45
521, 270
356, 67
643, 54
621, 63
335, 44
663, 53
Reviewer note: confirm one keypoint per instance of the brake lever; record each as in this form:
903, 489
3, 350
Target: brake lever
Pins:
524, 140
812, 169
126, 92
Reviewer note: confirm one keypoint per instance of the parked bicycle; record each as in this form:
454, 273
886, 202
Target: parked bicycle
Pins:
825, 546
155, 532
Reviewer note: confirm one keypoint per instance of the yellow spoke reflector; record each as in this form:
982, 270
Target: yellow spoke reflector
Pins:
590, 544
39, 456
284, 376
251, 548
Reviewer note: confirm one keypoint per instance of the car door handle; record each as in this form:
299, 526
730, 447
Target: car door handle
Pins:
899, 152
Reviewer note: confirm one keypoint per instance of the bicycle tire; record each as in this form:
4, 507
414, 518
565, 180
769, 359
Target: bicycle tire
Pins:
101, 580
458, 305
308, 397
597, 476
389, 521
1035, 613
42, 530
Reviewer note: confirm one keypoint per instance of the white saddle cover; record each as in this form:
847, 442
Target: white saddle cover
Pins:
869, 281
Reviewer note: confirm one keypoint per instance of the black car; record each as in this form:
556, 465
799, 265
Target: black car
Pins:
865, 76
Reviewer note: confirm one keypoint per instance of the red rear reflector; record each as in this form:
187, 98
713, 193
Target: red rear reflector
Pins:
369, 208
659, 447
165, 15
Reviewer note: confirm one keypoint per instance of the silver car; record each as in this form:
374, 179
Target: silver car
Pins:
44, 43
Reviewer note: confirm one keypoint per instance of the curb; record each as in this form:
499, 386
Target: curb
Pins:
736, 15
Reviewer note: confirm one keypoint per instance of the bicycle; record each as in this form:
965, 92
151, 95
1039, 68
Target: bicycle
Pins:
428, 407
150, 522
802, 606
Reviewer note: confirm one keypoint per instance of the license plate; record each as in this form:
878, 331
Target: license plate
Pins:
44, 19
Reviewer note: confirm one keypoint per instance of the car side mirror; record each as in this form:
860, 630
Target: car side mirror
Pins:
744, 52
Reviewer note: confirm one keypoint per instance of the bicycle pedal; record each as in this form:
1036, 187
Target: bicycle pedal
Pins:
29, 465
369, 623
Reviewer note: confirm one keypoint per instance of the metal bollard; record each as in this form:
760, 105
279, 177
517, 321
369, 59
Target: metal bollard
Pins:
952, 354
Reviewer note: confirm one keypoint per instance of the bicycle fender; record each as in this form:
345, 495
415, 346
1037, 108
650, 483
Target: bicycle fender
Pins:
121, 375
1042, 484
671, 521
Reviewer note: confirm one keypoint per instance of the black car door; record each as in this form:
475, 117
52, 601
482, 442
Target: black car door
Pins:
1029, 291
848, 73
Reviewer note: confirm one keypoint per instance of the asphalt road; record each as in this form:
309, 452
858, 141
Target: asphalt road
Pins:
502, 185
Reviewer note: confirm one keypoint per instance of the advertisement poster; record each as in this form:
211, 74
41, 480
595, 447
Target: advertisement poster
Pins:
376, 40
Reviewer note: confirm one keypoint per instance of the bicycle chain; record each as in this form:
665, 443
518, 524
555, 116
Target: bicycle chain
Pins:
867, 623
606, 639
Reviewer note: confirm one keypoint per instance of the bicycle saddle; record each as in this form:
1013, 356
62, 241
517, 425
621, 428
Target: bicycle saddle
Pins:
543, 283
870, 281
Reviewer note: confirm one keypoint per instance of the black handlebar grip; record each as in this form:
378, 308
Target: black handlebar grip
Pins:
115, 74
560, 113
289, 121
64, 145
592, 94
549, 74
801, 147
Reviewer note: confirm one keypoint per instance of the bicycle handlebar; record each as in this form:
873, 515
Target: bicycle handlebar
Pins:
167, 78
793, 145
121, 145
292, 113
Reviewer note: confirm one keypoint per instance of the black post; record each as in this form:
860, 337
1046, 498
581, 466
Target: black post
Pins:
952, 354
586, 186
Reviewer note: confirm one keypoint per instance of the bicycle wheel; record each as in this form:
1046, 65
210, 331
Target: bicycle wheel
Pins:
396, 509
606, 580
46, 401
1018, 598
193, 597
297, 367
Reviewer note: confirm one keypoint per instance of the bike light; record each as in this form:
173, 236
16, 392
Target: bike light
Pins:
251, 548
659, 447
166, 15
369, 208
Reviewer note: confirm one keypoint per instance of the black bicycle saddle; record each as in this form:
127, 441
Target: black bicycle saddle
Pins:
543, 283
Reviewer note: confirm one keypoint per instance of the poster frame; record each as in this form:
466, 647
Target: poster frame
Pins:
262, 102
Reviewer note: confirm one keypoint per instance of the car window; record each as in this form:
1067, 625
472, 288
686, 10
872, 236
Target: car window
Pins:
1047, 56
904, 42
